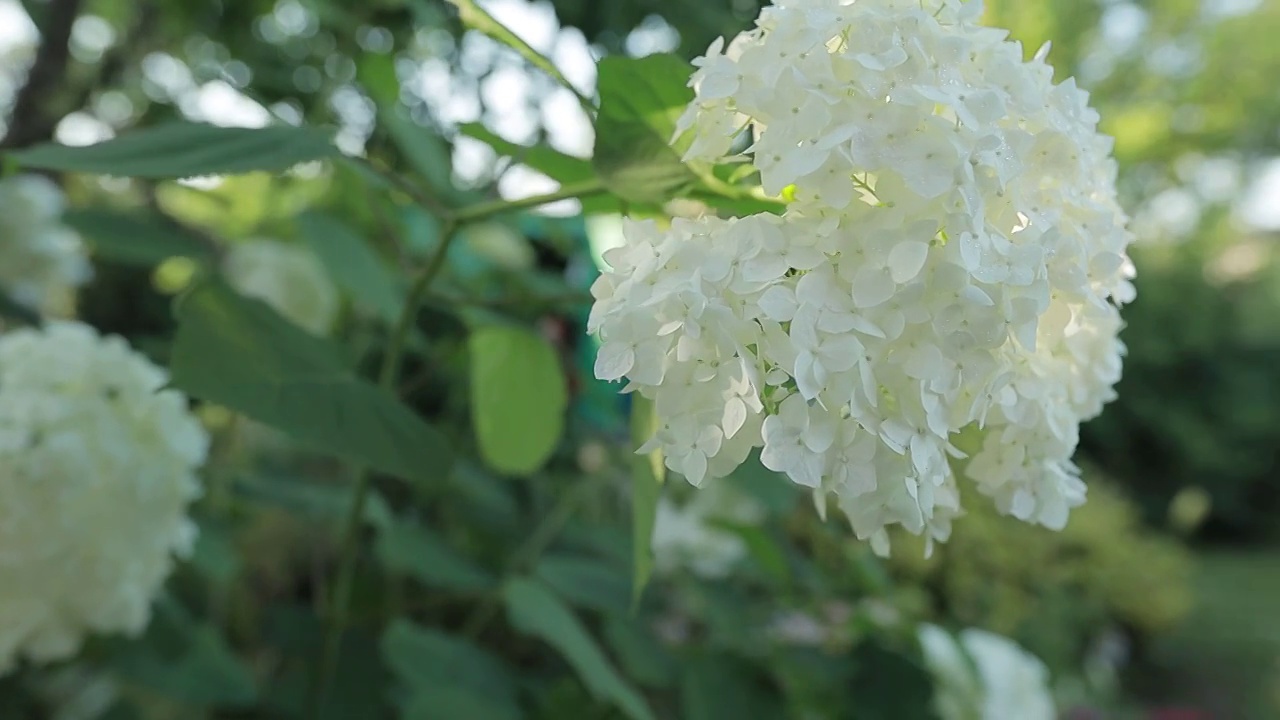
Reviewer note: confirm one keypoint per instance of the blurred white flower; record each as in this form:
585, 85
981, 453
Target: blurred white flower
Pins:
97, 468
41, 260
985, 677
954, 257
287, 277
689, 536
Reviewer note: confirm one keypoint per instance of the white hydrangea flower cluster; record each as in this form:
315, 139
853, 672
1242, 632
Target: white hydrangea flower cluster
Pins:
97, 468
41, 260
984, 676
953, 256
687, 536
289, 278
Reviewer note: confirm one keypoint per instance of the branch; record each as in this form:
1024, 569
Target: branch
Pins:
30, 122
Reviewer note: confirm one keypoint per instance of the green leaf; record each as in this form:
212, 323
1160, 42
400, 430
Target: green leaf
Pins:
648, 472
641, 655
311, 498
889, 685
185, 149
206, 673
586, 582
444, 673
451, 703
353, 264
238, 352
518, 397
134, 239
564, 169
409, 548
640, 101
716, 687
534, 610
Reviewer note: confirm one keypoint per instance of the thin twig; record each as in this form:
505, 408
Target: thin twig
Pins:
31, 121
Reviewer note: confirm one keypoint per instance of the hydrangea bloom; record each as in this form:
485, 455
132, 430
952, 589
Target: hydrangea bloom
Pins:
97, 467
41, 260
686, 536
954, 256
287, 277
985, 677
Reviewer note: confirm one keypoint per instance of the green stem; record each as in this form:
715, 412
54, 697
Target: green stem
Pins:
570, 191
388, 376
546, 531
350, 555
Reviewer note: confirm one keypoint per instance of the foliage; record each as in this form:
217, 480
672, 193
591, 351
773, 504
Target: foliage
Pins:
497, 573
1057, 592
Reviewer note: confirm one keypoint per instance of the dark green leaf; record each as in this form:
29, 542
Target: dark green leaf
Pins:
238, 352
311, 498
586, 582
353, 263
451, 703
719, 688
518, 397
535, 610
639, 653
457, 674
185, 149
640, 101
409, 548
889, 685
133, 238
207, 673
647, 475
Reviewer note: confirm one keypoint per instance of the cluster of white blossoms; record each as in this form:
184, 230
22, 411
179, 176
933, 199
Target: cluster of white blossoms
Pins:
693, 535
952, 255
97, 469
287, 277
41, 260
984, 676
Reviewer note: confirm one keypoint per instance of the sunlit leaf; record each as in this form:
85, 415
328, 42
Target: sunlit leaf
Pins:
518, 397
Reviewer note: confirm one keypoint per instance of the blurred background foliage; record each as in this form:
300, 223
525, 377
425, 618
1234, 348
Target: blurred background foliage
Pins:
1161, 590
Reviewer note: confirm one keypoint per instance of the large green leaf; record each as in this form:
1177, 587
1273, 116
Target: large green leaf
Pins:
648, 472
204, 673
518, 397
238, 352
133, 238
445, 673
534, 610
185, 149
640, 101
409, 548
586, 582
354, 265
